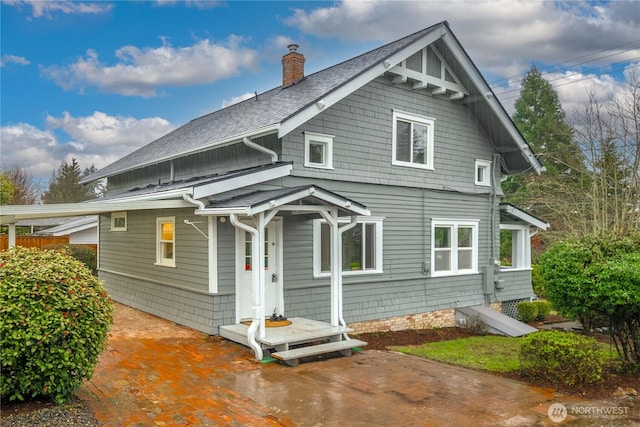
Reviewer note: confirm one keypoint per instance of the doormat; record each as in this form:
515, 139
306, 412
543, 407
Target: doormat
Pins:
271, 323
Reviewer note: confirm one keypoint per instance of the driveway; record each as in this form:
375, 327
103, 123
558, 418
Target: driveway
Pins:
155, 372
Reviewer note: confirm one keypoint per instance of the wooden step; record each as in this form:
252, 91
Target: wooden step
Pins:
291, 357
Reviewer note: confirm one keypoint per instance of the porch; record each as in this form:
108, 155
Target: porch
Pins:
301, 338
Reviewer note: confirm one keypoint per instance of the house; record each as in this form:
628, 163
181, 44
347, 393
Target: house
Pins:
365, 196
81, 230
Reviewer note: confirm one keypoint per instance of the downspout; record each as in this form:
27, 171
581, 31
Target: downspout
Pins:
187, 198
341, 230
249, 143
255, 323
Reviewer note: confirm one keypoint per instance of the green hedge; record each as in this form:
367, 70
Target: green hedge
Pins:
54, 320
562, 357
527, 311
543, 308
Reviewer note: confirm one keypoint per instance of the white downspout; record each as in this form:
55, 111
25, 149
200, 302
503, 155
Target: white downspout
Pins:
249, 143
341, 230
188, 198
255, 323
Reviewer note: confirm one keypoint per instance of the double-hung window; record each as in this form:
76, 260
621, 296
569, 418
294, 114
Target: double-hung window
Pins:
165, 241
361, 247
412, 140
454, 247
318, 150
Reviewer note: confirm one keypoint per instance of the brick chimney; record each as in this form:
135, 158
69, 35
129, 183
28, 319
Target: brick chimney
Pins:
292, 66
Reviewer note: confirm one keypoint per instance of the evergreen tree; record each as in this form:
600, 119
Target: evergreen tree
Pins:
65, 187
558, 192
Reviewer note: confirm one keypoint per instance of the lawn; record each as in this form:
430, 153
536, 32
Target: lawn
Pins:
490, 352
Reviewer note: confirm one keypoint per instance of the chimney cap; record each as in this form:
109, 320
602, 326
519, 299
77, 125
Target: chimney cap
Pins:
292, 47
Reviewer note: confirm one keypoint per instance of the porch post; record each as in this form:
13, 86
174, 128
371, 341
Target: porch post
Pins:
331, 216
12, 234
258, 262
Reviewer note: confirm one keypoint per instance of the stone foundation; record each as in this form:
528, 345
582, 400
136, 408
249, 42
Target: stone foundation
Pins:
429, 320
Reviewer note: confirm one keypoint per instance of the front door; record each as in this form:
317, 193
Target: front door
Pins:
271, 265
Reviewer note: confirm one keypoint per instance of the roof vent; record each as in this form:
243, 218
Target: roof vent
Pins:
292, 66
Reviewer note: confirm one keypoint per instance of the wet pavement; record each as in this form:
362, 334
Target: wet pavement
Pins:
156, 373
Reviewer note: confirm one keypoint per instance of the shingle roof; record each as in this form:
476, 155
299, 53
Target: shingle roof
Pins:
252, 115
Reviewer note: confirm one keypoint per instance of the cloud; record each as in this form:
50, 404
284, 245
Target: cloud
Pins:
502, 36
98, 139
140, 72
13, 59
236, 99
47, 9
582, 41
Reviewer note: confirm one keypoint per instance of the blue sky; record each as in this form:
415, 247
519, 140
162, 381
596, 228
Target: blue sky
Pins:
96, 80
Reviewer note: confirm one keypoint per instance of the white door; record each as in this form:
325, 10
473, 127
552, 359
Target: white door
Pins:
271, 265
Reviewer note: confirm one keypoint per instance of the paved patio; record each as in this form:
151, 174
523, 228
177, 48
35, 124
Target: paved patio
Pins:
156, 373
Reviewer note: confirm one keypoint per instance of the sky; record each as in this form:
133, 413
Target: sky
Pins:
96, 80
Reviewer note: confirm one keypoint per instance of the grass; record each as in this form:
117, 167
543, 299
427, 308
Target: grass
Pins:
490, 352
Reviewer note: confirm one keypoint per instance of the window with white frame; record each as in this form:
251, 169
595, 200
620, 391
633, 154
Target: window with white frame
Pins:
515, 247
318, 150
118, 221
413, 140
454, 247
166, 241
483, 172
361, 247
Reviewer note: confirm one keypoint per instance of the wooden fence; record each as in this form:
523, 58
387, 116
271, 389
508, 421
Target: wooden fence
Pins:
41, 242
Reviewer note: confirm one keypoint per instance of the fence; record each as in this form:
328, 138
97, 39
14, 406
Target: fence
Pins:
41, 242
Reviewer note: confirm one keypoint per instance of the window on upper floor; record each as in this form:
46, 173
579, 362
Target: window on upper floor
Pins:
515, 246
413, 140
454, 247
483, 172
118, 221
361, 247
165, 241
318, 150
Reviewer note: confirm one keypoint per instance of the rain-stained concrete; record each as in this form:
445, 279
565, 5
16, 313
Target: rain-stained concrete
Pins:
157, 373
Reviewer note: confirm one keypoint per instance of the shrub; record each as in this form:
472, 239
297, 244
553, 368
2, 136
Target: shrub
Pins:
562, 357
82, 253
54, 319
596, 280
527, 311
543, 308
476, 325
537, 281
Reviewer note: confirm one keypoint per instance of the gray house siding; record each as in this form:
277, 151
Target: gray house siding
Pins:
362, 152
517, 285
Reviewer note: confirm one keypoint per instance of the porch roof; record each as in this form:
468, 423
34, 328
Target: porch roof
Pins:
305, 197
513, 212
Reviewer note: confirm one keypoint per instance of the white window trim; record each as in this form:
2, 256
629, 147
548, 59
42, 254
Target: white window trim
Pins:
455, 223
429, 122
165, 262
486, 165
325, 139
116, 215
317, 267
521, 251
